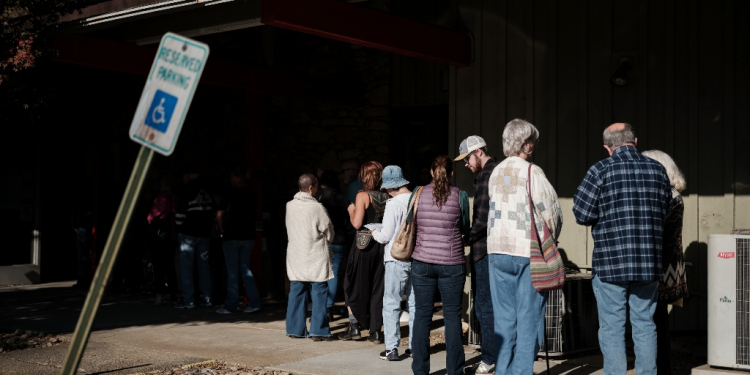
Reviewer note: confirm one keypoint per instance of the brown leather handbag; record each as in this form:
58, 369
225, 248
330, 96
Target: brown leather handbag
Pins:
403, 244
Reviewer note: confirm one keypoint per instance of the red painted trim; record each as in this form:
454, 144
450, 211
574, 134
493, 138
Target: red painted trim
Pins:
370, 28
133, 59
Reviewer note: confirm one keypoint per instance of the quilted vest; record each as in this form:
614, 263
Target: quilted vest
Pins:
439, 230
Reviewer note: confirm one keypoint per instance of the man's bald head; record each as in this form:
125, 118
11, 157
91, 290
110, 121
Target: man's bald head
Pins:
619, 134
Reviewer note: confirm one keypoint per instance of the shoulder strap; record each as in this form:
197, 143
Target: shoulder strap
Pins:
534, 234
413, 201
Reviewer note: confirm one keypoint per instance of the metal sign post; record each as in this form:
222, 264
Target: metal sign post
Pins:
156, 125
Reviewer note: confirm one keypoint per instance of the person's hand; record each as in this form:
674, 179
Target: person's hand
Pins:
350, 209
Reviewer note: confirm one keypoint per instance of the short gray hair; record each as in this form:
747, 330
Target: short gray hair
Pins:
619, 137
676, 179
306, 180
517, 132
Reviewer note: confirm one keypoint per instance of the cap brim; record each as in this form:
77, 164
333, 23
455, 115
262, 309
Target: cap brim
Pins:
462, 156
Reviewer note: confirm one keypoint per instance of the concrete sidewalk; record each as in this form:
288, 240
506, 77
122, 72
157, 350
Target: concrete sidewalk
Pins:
131, 336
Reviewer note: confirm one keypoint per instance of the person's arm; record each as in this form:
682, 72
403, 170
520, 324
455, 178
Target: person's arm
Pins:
478, 229
546, 201
586, 199
357, 215
391, 218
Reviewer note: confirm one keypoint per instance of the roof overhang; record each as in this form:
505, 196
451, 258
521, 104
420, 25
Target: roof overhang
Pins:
189, 18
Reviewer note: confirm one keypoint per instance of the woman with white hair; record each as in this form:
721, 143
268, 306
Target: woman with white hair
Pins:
518, 307
673, 284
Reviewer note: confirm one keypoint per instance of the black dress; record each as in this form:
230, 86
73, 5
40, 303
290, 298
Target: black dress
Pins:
365, 272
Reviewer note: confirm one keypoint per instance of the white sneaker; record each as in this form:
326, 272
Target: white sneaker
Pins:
484, 369
404, 317
251, 309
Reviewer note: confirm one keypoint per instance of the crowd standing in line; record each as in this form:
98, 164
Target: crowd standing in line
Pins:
631, 200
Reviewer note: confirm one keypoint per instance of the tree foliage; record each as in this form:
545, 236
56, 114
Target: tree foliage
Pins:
27, 26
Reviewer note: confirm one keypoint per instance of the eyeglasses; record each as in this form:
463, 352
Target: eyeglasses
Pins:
468, 157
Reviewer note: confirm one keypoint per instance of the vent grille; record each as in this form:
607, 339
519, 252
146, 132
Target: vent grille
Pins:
743, 301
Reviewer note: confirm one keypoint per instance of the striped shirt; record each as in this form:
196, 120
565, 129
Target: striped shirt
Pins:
625, 199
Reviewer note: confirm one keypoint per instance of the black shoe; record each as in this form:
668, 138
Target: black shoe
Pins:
330, 314
376, 337
389, 355
322, 338
351, 333
408, 352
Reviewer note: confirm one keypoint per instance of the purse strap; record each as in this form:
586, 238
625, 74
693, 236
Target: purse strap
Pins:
534, 234
413, 204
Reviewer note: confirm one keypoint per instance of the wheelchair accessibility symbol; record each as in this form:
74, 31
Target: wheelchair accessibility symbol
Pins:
160, 111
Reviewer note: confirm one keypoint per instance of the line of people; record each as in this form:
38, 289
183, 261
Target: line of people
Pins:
186, 222
631, 201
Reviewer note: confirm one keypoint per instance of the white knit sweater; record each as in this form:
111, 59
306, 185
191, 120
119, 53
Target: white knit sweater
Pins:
310, 232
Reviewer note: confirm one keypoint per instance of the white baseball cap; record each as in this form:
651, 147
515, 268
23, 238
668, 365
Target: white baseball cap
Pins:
469, 145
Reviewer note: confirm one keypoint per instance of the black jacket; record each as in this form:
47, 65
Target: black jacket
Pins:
335, 203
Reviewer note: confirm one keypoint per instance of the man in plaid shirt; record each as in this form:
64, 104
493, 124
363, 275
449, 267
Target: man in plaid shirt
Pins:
625, 199
475, 157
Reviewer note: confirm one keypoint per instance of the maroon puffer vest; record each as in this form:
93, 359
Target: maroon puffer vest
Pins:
439, 231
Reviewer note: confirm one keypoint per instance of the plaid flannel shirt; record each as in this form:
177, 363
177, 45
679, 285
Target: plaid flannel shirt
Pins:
625, 198
477, 237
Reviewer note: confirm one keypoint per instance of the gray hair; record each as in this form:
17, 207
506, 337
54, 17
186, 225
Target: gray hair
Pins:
676, 178
515, 134
617, 138
306, 180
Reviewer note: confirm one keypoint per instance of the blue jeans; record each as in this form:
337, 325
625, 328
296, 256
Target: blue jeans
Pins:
296, 309
483, 309
396, 284
194, 249
613, 300
519, 314
237, 255
338, 255
426, 278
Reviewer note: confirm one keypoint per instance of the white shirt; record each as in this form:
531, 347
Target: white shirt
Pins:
393, 219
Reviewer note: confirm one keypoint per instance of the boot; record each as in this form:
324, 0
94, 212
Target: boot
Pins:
351, 333
376, 337
330, 314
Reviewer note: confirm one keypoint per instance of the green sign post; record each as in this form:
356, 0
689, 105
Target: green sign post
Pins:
156, 125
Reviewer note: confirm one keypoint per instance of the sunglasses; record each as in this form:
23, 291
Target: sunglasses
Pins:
468, 157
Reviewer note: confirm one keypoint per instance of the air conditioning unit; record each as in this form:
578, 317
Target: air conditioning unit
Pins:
729, 300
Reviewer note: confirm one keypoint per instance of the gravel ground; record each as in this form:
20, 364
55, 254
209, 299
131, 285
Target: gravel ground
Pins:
20, 340
220, 368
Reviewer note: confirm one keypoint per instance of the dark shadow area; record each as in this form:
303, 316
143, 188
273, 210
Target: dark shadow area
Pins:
33, 276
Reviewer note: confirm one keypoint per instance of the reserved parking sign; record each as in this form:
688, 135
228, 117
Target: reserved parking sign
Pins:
169, 89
